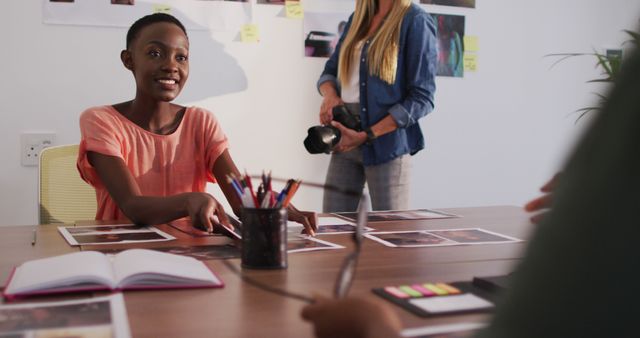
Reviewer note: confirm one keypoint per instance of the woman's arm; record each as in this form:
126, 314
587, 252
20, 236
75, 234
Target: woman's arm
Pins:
140, 209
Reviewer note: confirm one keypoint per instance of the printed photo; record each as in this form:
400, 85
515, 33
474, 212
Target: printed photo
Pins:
105, 228
472, 236
115, 238
306, 243
112, 234
410, 239
454, 3
60, 316
398, 215
450, 44
322, 32
123, 2
444, 237
204, 253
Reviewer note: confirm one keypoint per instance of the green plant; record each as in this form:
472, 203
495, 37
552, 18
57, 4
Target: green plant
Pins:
608, 64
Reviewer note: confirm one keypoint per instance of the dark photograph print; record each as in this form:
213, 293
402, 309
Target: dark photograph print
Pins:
107, 228
123, 2
118, 237
398, 215
450, 44
414, 238
454, 3
204, 253
86, 315
467, 236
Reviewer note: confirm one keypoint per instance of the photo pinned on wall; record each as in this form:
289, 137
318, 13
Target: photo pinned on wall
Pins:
123, 2
450, 44
453, 3
322, 32
272, 2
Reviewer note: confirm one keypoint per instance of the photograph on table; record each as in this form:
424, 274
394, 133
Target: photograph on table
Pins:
113, 234
329, 225
450, 44
398, 215
303, 243
454, 3
473, 236
95, 317
106, 228
322, 32
446, 237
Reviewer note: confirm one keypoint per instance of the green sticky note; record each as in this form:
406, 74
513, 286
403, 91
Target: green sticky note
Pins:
408, 290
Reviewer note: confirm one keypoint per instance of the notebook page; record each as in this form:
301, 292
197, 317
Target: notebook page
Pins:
63, 271
131, 267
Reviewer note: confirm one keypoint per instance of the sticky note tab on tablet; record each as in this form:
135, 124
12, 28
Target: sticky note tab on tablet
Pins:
392, 290
408, 290
464, 302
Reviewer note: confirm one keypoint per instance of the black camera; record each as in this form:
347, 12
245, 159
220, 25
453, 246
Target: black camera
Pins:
322, 139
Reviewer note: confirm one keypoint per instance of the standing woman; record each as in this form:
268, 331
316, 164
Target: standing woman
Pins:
383, 69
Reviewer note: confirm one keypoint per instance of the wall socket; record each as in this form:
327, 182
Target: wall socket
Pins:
31, 144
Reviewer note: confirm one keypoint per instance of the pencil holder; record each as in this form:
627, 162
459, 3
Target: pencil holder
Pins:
264, 238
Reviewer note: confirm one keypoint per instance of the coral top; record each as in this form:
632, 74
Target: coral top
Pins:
162, 165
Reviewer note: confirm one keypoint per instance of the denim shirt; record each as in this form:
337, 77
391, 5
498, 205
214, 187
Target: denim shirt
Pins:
407, 100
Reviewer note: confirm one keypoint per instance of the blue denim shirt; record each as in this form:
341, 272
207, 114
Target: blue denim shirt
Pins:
407, 100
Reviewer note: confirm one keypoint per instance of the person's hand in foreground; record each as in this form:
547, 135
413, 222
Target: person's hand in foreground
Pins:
352, 318
542, 204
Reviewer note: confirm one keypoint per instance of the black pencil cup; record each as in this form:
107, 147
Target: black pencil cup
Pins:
264, 238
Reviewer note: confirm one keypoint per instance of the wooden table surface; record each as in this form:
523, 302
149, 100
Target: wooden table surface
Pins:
243, 310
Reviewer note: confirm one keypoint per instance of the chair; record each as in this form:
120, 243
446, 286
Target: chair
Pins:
63, 197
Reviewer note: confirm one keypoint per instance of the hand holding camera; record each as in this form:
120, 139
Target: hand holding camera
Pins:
325, 139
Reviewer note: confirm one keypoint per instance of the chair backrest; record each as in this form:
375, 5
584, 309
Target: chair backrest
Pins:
63, 197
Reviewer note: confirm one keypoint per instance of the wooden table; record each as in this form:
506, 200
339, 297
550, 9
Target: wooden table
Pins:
242, 310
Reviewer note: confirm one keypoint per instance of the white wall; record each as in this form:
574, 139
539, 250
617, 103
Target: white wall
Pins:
494, 137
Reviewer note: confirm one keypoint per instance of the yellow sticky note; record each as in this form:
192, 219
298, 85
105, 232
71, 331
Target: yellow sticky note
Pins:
293, 9
470, 62
471, 43
249, 33
161, 8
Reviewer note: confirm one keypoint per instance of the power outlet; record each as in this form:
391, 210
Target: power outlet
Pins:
31, 144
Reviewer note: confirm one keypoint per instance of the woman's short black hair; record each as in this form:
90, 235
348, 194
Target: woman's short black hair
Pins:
151, 19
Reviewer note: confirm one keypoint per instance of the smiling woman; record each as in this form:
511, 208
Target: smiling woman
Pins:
150, 159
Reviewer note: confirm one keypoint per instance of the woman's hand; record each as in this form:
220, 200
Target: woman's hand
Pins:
330, 100
349, 138
544, 202
201, 208
352, 317
307, 218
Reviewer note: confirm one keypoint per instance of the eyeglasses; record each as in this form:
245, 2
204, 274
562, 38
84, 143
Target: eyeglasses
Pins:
348, 268
347, 271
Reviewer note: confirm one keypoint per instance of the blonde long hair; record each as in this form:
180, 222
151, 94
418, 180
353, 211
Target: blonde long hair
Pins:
383, 50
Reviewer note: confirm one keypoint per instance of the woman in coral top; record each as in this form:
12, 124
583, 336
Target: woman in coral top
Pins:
150, 159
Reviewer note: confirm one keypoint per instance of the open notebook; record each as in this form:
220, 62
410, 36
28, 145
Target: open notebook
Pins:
91, 270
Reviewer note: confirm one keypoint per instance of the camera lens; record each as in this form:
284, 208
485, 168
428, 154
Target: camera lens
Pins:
321, 139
